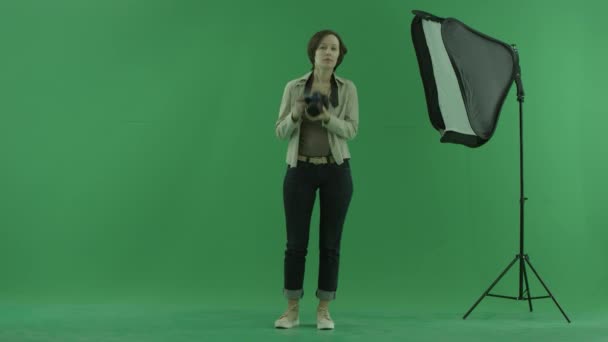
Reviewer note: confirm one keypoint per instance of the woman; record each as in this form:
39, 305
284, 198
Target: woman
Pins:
318, 158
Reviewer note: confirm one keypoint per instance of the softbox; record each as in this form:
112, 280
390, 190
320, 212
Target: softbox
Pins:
466, 77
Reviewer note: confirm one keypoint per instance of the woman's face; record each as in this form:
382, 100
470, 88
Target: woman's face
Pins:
327, 52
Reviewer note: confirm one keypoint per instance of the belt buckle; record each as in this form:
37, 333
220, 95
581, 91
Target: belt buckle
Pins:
317, 160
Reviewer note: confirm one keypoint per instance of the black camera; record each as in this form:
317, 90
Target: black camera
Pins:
315, 103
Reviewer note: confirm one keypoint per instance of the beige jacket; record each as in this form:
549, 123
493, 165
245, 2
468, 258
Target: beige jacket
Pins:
342, 126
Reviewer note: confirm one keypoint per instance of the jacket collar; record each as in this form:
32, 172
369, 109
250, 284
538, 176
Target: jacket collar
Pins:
306, 81
305, 77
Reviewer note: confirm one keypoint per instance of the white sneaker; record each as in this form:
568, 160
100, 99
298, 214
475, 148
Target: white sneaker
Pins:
289, 319
324, 321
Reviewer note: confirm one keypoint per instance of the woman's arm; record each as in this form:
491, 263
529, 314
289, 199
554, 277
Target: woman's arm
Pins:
347, 127
285, 125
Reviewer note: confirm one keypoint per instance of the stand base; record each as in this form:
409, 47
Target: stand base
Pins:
523, 295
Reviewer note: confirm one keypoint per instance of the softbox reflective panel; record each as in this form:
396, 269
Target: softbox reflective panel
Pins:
466, 77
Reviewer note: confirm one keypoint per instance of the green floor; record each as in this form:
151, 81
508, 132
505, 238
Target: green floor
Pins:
175, 323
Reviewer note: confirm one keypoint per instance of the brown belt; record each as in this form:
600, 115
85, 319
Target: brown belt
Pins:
317, 160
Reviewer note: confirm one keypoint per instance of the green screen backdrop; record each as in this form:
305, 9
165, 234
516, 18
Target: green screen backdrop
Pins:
138, 159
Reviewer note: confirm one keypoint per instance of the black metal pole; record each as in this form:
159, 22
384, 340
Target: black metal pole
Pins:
522, 198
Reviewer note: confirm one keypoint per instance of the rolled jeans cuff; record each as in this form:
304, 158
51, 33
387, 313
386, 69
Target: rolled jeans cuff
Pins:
293, 294
326, 295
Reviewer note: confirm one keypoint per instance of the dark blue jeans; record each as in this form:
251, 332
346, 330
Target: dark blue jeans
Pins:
335, 186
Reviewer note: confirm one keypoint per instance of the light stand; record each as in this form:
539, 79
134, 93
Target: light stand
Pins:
523, 258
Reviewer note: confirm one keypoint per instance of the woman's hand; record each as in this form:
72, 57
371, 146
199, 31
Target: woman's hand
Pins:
298, 110
324, 115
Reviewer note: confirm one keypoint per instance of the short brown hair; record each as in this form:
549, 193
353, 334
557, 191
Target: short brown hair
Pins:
315, 41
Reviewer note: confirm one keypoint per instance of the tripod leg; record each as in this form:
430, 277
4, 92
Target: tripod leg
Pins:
547, 289
491, 286
527, 287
